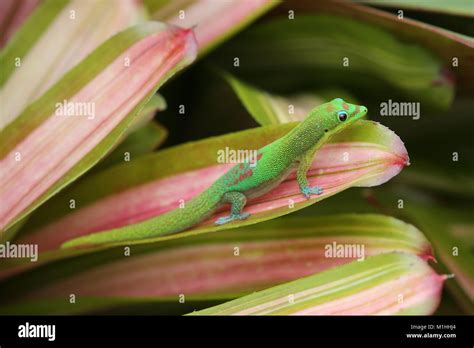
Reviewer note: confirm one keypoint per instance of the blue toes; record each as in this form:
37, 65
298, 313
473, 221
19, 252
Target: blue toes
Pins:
225, 219
243, 216
308, 191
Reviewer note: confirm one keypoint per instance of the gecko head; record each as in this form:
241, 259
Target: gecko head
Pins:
338, 114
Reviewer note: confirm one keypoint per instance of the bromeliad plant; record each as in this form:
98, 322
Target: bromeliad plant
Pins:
78, 134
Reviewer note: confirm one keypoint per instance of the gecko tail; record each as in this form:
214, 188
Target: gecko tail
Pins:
177, 220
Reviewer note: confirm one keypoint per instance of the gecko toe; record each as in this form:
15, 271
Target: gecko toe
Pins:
317, 190
222, 220
225, 219
308, 191
244, 216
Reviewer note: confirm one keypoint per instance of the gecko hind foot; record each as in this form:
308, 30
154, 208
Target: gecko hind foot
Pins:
307, 191
225, 219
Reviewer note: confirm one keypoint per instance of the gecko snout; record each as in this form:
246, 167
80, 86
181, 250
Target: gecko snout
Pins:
360, 111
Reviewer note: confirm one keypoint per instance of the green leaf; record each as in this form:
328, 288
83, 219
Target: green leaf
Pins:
432, 176
310, 52
142, 136
268, 109
445, 43
383, 284
155, 104
452, 7
137, 143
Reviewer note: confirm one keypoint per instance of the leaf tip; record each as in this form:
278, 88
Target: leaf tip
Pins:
190, 43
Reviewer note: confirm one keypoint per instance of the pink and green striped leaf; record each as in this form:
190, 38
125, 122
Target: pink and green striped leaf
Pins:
450, 230
44, 151
212, 20
56, 37
12, 14
452, 234
142, 136
366, 154
224, 265
386, 284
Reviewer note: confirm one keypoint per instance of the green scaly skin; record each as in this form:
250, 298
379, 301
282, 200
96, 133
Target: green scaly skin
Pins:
244, 181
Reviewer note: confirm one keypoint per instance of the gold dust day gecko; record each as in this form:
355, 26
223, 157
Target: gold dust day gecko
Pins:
275, 162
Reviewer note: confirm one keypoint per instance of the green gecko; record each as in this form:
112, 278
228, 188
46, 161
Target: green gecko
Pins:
244, 181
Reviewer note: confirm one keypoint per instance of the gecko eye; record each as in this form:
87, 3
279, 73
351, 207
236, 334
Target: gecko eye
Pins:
342, 115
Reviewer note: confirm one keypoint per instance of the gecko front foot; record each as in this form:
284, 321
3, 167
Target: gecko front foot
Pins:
307, 191
225, 219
